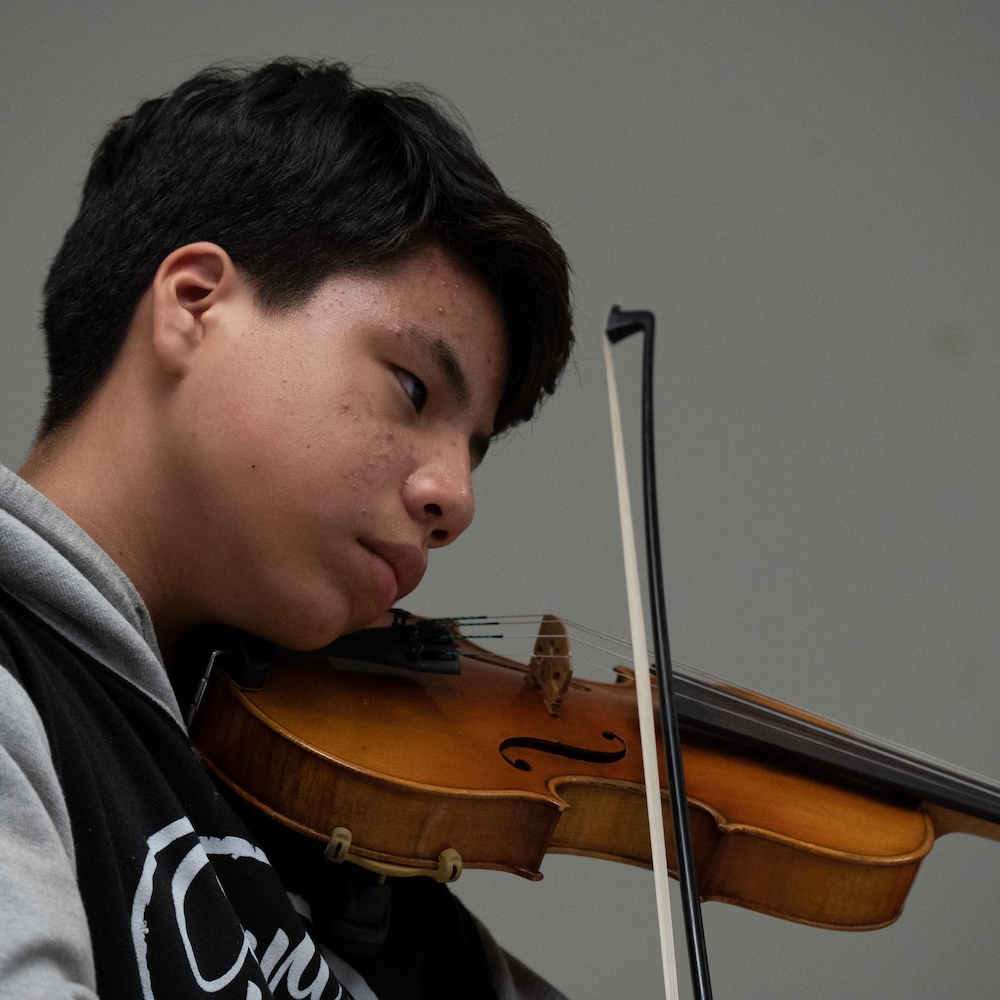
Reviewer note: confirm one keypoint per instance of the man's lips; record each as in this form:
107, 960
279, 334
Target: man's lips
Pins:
407, 563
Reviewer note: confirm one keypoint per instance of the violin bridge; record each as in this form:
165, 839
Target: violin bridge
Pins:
551, 666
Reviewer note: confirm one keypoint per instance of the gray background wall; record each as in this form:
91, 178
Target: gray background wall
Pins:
806, 194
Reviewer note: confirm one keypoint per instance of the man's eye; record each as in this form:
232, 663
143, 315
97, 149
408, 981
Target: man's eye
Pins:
413, 388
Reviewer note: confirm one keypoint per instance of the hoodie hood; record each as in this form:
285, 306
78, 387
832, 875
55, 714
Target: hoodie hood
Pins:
54, 568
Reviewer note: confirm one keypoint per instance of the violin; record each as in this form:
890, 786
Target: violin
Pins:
410, 749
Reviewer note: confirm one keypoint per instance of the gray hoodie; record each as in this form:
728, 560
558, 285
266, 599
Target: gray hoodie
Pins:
53, 568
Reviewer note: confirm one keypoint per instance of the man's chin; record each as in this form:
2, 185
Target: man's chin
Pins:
301, 633
297, 623
311, 636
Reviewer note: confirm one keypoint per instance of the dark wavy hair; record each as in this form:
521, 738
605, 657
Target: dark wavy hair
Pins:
297, 172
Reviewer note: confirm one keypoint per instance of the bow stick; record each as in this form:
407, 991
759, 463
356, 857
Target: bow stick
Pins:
620, 325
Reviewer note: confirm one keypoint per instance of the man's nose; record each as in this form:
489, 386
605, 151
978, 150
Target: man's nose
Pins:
439, 494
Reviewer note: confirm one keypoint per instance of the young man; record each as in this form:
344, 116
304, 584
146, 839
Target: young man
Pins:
284, 327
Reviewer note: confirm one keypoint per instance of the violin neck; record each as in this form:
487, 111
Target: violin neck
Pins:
963, 800
951, 821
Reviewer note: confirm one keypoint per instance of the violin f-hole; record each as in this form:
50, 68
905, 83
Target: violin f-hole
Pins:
561, 750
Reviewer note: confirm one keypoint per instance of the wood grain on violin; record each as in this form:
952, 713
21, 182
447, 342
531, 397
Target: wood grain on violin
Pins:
485, 763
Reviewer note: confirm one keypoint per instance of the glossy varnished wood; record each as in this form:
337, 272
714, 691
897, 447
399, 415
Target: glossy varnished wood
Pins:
411, 764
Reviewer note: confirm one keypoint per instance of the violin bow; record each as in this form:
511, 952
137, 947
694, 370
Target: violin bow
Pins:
620, 325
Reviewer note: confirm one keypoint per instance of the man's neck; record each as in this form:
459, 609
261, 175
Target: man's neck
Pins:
99, 470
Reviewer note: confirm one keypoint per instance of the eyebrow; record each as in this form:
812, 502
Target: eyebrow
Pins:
442, 355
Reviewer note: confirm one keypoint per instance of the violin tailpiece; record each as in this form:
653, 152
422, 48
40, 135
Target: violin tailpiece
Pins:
551, 666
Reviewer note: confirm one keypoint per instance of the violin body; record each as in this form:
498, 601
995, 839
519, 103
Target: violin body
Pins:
414, 764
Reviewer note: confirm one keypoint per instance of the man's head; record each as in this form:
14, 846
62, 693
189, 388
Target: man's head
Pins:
282, 330
298, 173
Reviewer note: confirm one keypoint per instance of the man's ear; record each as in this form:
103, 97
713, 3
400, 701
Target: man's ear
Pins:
190, 281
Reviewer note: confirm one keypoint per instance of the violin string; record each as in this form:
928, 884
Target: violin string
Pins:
623, 650
535, 619
621, 653
576, 658
599, 667
575, 640
779, 710
577, 633
781, 714
782, 711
